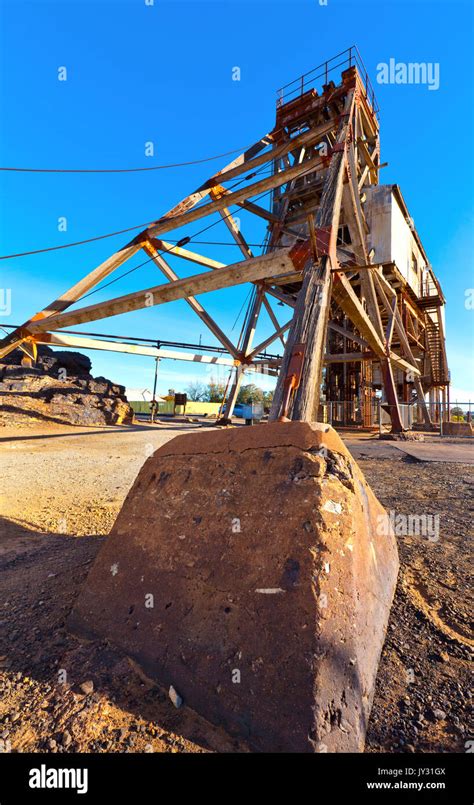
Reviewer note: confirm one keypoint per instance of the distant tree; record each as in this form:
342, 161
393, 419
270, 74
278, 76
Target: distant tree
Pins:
197, 392
250, 393
215, 391
268, 397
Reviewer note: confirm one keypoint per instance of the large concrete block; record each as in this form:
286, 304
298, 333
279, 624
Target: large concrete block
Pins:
458, 429
247, 569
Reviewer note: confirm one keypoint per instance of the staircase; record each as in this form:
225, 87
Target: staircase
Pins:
436, 349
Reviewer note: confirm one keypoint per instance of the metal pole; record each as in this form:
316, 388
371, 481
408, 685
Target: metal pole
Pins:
154, 404
379, 406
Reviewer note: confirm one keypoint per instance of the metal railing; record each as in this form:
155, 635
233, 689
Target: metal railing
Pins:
347, 58
429, 286
376, 413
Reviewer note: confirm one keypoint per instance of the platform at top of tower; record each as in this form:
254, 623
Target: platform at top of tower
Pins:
325, 77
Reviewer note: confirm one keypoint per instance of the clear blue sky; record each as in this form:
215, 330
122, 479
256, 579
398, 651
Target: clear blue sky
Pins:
163, 73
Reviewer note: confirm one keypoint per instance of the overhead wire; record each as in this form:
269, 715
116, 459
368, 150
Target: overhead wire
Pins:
101, 237
265, 167
161, 252
273, 134
125, 170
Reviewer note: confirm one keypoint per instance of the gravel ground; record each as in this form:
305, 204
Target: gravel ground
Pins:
62, 489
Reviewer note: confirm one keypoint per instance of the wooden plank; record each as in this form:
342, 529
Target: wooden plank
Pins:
186, 254
245, 345
166, 224
238, 165
391, 321
271, 338
273, 318
231, 224
70, 296
348, 357
358, 228
281, 297
404, 365
279, 151
74, 341
273, 264
312, 307
367, 157
354, 188
194, 304
391, 394
397, 320
363, 177
344, 295
260, 211
348, 334
252, 319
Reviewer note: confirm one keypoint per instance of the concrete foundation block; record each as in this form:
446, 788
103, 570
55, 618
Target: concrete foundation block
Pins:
458, 429
252, 569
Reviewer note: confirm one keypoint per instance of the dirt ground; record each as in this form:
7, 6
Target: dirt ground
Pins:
62, 488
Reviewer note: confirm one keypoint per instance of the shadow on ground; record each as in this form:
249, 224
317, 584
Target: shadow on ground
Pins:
44, 666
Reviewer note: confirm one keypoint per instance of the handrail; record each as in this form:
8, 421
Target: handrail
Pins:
350, 57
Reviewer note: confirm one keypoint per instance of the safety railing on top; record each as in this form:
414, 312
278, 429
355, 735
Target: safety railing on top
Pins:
347, 58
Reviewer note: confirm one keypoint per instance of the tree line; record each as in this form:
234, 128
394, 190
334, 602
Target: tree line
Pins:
214, 392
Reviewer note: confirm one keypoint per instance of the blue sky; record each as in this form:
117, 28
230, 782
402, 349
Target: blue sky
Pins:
163, 73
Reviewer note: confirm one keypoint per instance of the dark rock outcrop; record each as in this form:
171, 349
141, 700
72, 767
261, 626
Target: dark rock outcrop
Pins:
58, 388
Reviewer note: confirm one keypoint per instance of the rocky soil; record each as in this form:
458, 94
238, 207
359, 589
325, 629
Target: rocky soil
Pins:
62, 490
58, 388
423, 698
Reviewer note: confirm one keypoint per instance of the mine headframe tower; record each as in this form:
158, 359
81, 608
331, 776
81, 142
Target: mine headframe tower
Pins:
357, 319
357, 322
